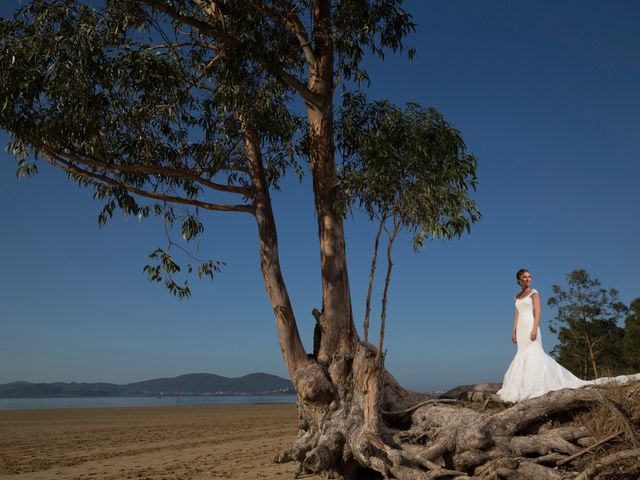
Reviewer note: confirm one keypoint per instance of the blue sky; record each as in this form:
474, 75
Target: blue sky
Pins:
545, 94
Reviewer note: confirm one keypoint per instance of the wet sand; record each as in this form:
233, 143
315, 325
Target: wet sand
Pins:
186, 442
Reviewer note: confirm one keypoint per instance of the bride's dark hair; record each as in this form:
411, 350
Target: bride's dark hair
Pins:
519, 273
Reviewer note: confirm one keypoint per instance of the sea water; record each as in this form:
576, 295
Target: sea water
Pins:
94, 402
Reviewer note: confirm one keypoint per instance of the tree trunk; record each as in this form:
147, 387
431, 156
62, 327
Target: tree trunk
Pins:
288, 335
372, 271
385, 294
338, 335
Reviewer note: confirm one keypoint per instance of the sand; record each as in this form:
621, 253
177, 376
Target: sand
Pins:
186, 442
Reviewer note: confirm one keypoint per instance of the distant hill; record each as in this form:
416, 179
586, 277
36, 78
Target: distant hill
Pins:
12, 385
191, 384
206, 383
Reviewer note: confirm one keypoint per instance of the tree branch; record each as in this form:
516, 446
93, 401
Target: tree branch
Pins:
310, 98
215, 33
232, 42
174, 172
293, 24
177, 45
69, 167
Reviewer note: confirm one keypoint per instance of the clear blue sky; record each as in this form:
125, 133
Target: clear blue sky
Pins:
546, 95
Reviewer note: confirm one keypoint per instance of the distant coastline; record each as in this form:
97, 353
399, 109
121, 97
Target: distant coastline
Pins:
190, 385
150, 395
47, 403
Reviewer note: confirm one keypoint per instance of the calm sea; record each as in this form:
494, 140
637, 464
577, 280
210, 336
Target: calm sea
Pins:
93, 402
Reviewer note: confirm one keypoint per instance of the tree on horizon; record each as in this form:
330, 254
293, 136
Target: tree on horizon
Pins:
631, 342
586, 322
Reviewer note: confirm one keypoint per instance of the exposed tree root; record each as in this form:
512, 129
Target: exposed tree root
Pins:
357, 422
589, 449
602, 463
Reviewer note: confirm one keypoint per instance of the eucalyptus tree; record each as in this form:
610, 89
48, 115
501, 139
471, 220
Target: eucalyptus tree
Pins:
407, 168
181, 108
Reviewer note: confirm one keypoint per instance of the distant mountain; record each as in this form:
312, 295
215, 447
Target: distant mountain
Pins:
191, 384
206, 383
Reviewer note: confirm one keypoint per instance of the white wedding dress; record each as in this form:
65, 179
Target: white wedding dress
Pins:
532, 372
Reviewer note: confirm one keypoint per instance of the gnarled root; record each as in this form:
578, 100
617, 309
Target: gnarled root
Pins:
356, 422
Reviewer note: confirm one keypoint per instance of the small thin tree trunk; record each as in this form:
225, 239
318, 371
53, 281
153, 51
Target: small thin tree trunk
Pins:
585, 323
387, 281
592, 356
372, 272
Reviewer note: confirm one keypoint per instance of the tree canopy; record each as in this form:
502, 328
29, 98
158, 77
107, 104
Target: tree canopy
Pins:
409, 163
144, 101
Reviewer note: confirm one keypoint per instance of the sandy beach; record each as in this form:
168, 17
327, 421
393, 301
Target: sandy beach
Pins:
186, 442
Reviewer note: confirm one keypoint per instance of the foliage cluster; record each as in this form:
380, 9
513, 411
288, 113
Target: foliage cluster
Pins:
410, 164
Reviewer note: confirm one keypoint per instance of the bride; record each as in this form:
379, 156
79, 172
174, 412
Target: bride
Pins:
532, 372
